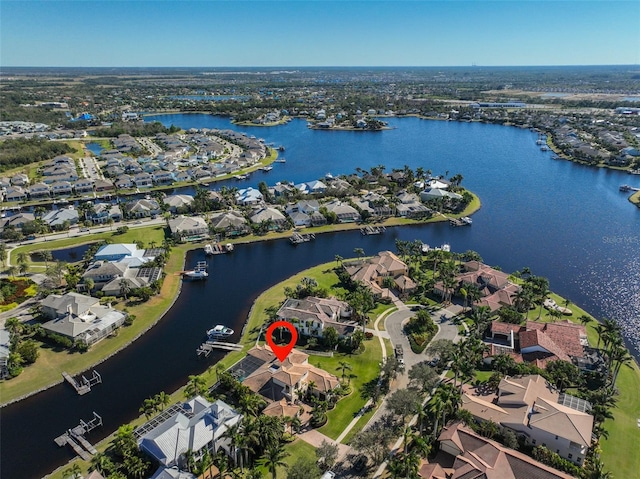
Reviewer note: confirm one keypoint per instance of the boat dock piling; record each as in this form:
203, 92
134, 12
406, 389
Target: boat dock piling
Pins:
84, 386
208, 346
459, 222
75, 438
297, 238
372, 230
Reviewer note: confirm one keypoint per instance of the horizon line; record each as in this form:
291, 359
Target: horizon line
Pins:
331, 66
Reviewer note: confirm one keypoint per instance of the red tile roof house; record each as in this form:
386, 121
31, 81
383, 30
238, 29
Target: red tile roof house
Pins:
475, 457
494, 285
542, 342
532, 408
374, 271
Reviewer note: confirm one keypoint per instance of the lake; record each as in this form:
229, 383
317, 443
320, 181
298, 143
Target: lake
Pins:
564, 221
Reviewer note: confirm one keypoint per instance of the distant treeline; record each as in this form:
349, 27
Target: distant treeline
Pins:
23, 151
135, 129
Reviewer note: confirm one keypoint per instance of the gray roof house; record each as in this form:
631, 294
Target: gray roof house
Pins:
17, 220
142, 208
178, 202
232, 222
61, 188
269, 213
15, 193
189, 228
80, 318
57, 218
39, 190
345, 212
197, 426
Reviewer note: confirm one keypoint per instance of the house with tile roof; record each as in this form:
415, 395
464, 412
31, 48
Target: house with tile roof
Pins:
374, 271
189, 228
231, 222
476, 457
532, 408
277, 380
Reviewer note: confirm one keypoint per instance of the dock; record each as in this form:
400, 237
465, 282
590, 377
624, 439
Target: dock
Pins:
297, 238
208, 346
84, 386
74, 437
217, 248
459, 222
372, 230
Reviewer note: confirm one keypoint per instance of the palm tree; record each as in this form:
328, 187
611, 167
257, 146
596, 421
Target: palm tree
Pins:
359, 252
22, 257
3, 253
125, 288
12, 270
162, 400
73, 472
234, 434
195, 387
344, 366
46, 256
339, 260
274, 458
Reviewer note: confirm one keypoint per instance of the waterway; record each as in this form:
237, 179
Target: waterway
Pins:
564, 221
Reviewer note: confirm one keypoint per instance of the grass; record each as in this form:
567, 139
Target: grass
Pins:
635, 198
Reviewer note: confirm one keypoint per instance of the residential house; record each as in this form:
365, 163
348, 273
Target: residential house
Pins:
124, 182
248, 196
163, 178
189, 228
312, 315
102, 212
195, 428
101, 186
79, 317
84, 185
288, 379
142, 208
17, 220
232, 223
311, 187
438, 193
61, 188
467, 455
122, 251
143, 180
269, 214
15, 193
495, 288
343, 211
134, 278
300, 219
532, 408
39, 190
378, 273
178, 203
20, 179
58, 219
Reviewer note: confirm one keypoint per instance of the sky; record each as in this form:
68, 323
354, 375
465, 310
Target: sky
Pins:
238, 33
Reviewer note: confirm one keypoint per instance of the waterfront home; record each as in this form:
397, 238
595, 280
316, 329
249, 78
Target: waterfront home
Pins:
271, 215
163, 178
288, 379
61, 188
102, 272
142, 208
178, 203
80, 317
343, 211
39, 190
102, 212
58, 219
15, 193
380, 272
282, 190
195, 427
437, 193
530, 406
188, 228
17, 220
311, 315
84, 185
300, 219
103, 185
124, 182
495, 288
463, 453
311, 187
143, 180
231, 223
182, 176
110, 277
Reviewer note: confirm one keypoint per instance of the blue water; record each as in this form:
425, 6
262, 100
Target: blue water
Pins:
565, 221
94, 148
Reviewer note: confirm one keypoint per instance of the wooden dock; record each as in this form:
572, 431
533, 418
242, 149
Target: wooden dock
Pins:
208, 346
84, 386
297, 238
74, 437
372, 230
459, 222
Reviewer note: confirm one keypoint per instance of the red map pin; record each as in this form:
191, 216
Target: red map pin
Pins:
281, 352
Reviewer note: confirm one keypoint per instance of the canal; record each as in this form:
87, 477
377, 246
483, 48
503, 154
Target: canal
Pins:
566, 222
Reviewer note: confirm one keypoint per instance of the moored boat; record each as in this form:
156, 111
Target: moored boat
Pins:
219, 332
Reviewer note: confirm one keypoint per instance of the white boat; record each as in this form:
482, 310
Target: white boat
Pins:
208, 249
466, 219
219, 331
196, 274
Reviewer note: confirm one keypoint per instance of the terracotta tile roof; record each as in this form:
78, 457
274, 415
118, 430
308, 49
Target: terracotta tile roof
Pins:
536, 337
500, 327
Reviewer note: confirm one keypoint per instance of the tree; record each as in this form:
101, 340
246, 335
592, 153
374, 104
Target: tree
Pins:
304, 468
274, 458
3, 253
195, 387
124, 443
73, 472
327, 453
423, 376
374, 442
89, 284
563, 374
162, 400
125, 287
344, 366
404, 403
330, 337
